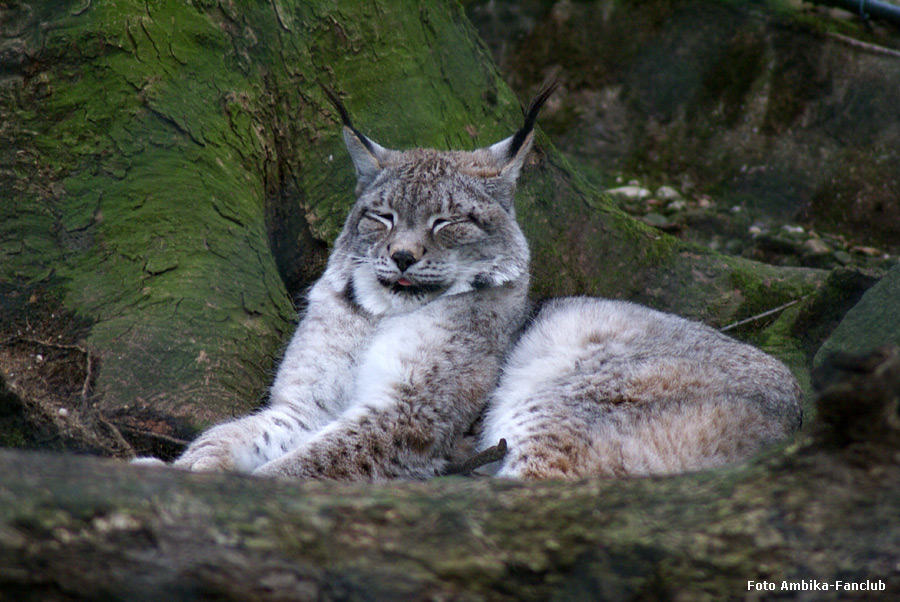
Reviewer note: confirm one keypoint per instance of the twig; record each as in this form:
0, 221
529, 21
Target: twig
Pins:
114, 431
866, 46
491, 454
763, 315
50, 344
86, 391
86, 385
174, 441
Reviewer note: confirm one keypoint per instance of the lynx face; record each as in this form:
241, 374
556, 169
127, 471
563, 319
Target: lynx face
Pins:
432, 223
428, 223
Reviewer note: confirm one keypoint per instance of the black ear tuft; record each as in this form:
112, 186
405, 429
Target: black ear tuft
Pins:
345, 116
531, 117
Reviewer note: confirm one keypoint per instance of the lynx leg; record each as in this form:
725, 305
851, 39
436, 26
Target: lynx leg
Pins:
598, 387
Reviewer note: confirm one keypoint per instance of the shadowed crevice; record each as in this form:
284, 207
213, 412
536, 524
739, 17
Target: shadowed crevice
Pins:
299, 256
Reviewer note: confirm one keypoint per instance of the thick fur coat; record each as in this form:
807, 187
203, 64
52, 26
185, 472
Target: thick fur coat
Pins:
418, 333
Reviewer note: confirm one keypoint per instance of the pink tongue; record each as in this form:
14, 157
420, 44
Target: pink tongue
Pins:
404, 282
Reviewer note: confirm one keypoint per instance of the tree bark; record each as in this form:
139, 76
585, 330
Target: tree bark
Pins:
172, 174
820, 511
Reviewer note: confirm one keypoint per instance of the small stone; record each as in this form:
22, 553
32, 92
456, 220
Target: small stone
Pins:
795, 230
629, 193
656, 220
704, 203
667, 193
867, 251
676, 206
754, 231
815, 247
63, 412
842, 257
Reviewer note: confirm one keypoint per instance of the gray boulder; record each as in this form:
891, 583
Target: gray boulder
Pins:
872, 322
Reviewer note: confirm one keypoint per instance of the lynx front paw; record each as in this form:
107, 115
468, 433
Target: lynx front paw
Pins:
147, 461
206, 458
220, 449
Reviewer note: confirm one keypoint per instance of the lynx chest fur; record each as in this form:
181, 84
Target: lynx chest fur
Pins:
414, 334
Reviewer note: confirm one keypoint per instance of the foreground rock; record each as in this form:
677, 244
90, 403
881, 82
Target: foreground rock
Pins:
822, 510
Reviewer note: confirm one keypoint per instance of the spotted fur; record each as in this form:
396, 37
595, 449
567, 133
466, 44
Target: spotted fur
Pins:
600, 387
404, 333
411, 337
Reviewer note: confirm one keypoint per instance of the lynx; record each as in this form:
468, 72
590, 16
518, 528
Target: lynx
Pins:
419, 332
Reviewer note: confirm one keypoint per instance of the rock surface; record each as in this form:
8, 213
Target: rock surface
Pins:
787, 110
874, 321
743, 231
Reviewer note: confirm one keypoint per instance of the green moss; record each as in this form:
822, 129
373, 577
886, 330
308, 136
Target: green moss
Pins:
150, 202
762, 292
582, 243
871, 323
155, 206
779, 340
153, 203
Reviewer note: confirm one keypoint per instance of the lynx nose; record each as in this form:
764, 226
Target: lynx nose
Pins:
403, 259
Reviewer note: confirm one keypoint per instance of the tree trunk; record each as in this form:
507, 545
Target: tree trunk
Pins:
820, 513
172, 174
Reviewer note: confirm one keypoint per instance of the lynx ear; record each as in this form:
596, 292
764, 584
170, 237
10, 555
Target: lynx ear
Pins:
506, 158
368, 157
510, 154
510, 161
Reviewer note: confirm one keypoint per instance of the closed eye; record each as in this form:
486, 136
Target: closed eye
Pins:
387, 219
439, 223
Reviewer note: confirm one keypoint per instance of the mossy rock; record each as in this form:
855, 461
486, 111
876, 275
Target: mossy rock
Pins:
872, 322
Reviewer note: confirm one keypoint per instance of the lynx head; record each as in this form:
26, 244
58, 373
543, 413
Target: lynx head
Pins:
428, 223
